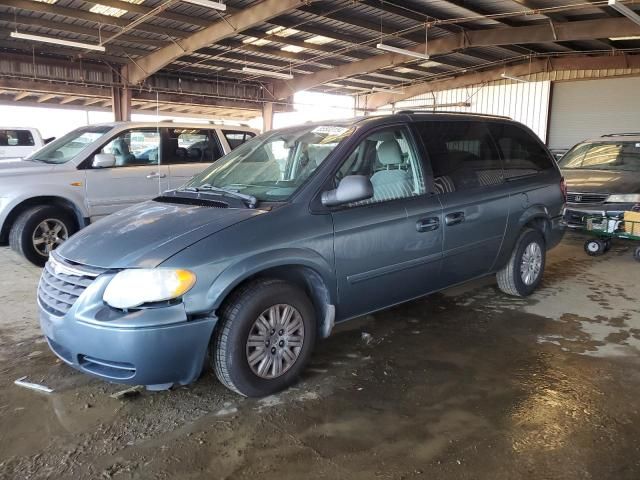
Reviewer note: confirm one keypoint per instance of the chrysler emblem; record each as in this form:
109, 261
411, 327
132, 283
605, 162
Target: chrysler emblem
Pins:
578, 198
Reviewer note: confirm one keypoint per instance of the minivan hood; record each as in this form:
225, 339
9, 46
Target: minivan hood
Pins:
18, 166
601, 181
147, 234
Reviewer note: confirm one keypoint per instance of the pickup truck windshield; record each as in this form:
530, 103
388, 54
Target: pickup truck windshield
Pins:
623, 156
273, 166
65, 148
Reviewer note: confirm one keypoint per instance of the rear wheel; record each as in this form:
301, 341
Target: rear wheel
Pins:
265, 338
40, 230
523, 273
595, 247
636, 254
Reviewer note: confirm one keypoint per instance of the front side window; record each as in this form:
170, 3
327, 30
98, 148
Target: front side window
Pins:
522, 154
65, 148
273, 166
16, 138
462, 154
191, 145
623, 156
135, 148
388, 159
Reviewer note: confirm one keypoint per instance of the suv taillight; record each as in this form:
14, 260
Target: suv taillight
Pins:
563, 189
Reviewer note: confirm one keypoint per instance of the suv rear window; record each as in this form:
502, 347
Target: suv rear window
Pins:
235, 138
16, 138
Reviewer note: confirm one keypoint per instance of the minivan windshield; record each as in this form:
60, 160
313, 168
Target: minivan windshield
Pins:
273, 166
65, 148
622, 156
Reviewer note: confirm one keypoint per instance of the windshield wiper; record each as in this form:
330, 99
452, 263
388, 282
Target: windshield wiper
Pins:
250, 199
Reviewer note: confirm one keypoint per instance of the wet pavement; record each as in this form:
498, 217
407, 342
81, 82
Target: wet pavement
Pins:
468, 383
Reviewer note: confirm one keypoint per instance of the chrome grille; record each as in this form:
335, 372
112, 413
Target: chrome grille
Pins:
573, 197
61, 284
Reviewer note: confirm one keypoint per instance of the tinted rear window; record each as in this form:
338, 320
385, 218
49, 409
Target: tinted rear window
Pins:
521, 152
462, 155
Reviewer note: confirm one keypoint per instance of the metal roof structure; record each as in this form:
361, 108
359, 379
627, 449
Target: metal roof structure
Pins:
157, 46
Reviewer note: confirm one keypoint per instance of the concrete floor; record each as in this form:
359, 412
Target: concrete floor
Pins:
465, 384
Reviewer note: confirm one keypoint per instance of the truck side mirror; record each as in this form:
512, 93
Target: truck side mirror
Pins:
353, 188
103, 160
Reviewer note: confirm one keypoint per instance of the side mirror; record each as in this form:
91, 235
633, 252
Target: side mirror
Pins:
354, 188
103, 160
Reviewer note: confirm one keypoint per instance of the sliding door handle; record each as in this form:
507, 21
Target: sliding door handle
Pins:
428, 224
454, 218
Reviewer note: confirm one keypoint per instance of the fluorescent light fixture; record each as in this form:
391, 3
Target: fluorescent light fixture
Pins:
515, 79
387, 90
402, 51
57, 41
268, 73
623, 39
624, 10
208, 4
112, 11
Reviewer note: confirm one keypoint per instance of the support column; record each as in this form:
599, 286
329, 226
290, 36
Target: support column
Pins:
121, 97
267, 116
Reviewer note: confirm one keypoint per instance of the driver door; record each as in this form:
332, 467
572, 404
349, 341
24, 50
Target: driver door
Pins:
137, 175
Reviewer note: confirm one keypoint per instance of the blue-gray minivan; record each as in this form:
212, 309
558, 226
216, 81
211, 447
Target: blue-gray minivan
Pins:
254, 259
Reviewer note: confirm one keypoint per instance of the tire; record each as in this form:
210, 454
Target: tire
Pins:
636, 254
27, 226
595, 247
607, 245
230, 350
510, 278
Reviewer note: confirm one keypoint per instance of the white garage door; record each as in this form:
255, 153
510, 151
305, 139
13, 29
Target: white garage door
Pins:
591, 108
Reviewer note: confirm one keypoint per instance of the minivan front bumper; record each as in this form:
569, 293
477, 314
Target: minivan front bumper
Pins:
156, 357
155, 347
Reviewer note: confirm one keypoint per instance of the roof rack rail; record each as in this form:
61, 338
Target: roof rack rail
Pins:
623, 134
451, 112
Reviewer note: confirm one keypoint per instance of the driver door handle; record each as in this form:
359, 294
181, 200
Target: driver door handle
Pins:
156, 175
428, 224
454, 218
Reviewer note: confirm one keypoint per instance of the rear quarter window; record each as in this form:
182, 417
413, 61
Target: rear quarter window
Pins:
16, 138
521, 152
235, 138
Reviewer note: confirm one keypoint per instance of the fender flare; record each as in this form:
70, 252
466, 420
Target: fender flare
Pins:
237, 273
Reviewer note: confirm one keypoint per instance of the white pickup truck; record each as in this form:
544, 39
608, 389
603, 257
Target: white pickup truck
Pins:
97, 170
20, 141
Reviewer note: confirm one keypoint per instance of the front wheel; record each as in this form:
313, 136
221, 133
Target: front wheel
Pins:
265, 338
40, 230
523, 273
636, 254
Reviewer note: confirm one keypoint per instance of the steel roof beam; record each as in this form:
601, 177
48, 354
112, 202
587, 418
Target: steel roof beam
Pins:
581, 62
250, 17
582, 30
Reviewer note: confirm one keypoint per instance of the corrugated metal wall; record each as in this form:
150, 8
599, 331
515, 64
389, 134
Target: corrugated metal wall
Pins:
525, 102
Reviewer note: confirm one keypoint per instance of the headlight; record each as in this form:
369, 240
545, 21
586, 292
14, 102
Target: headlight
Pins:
132, 288
630, 198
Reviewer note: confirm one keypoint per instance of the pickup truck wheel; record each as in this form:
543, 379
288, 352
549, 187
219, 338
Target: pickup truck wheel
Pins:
265, 338
523, 273
40, 230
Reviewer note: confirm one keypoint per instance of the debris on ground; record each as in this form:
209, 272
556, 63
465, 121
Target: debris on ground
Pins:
128, 392
367, 338
33, 386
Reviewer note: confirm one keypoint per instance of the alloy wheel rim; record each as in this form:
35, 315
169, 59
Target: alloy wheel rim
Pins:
49, 235
531, 263
275, 341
